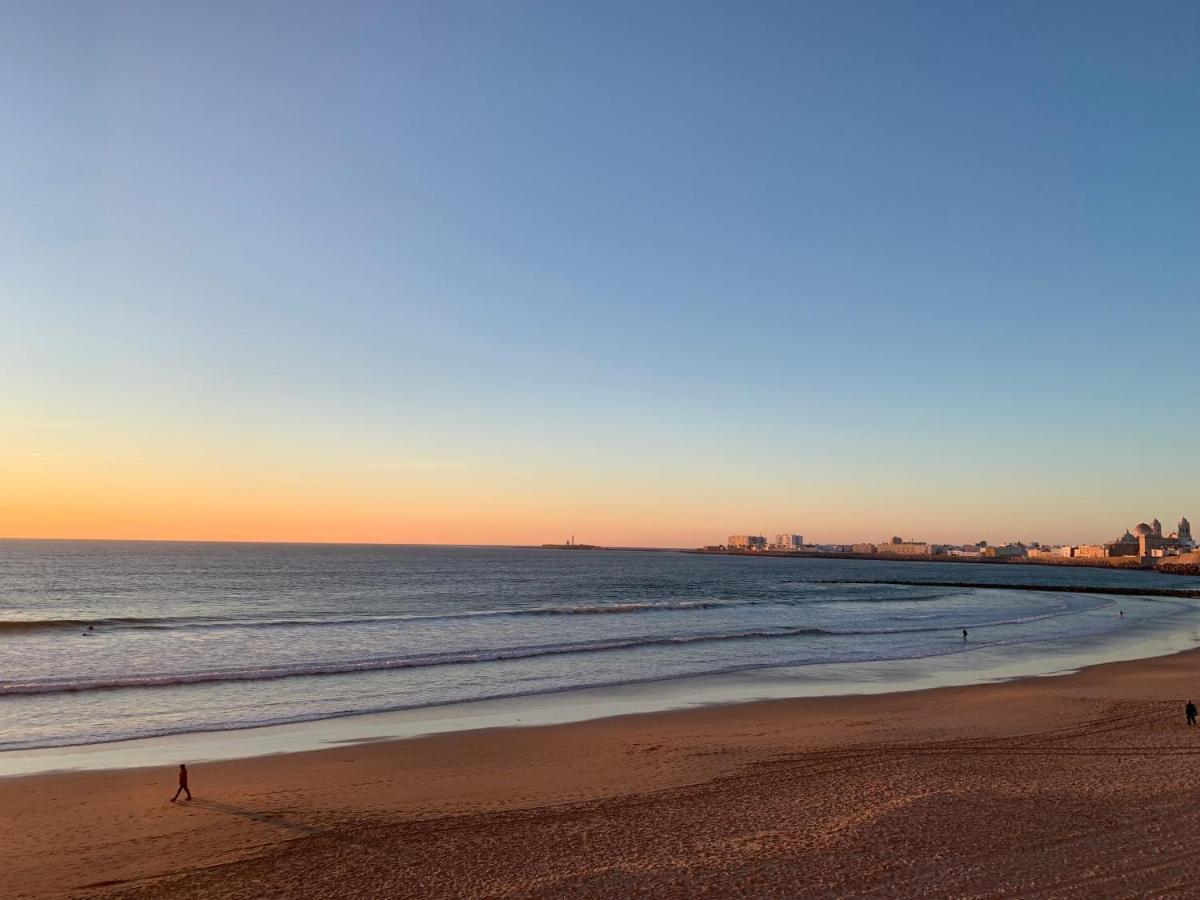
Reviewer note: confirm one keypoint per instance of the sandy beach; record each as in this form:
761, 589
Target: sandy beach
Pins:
1076, 785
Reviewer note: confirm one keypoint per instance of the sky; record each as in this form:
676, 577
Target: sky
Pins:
645, 273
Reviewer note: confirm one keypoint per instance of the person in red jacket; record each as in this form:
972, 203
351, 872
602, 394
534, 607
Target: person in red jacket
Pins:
183, 785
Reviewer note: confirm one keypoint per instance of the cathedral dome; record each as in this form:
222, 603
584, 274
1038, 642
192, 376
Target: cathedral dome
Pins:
1143, 529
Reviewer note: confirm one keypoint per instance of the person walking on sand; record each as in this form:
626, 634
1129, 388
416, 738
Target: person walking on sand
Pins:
1190, 709
183, 785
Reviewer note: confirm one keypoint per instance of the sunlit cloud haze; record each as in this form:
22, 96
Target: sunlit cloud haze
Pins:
645, 273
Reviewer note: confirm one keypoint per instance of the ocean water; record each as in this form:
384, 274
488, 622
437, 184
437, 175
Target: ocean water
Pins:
201, 637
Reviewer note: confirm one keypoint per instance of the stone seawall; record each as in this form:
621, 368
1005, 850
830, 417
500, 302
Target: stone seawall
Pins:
1184, 564
1180, 565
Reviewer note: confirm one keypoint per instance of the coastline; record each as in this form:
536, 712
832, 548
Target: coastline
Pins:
955, 665
246, 663
823, 796
1185, 566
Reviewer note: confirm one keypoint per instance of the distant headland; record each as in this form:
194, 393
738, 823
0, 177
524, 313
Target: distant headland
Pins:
1142, 547
570, 544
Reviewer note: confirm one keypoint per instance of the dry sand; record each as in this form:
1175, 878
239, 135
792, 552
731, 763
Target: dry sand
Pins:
1080, 785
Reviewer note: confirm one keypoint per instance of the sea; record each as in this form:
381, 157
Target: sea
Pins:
115, 641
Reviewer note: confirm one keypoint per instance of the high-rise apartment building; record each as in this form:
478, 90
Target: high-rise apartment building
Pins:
746, 542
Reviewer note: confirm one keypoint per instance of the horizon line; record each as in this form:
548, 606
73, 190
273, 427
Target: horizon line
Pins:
327, 543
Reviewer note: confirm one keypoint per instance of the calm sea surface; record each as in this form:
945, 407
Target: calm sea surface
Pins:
195, 637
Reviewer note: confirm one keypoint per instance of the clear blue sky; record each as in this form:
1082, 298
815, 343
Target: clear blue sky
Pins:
651, 272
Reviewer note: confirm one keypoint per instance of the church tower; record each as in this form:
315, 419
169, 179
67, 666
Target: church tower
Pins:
1185, 530
1157, 528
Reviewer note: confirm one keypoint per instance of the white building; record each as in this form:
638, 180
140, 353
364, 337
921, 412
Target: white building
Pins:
788, 542
905, 548
746, 542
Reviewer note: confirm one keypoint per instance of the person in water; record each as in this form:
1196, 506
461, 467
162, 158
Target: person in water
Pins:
1190, 709
964, 634
183, 785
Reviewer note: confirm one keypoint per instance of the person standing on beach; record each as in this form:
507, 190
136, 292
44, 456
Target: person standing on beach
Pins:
1190, 709
183, 785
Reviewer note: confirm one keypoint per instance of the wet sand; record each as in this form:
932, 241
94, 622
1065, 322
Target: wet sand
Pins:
1078, 785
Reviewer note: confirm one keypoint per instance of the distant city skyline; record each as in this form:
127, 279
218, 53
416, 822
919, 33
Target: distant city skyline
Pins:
773, 540
645, 273
1143, 539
